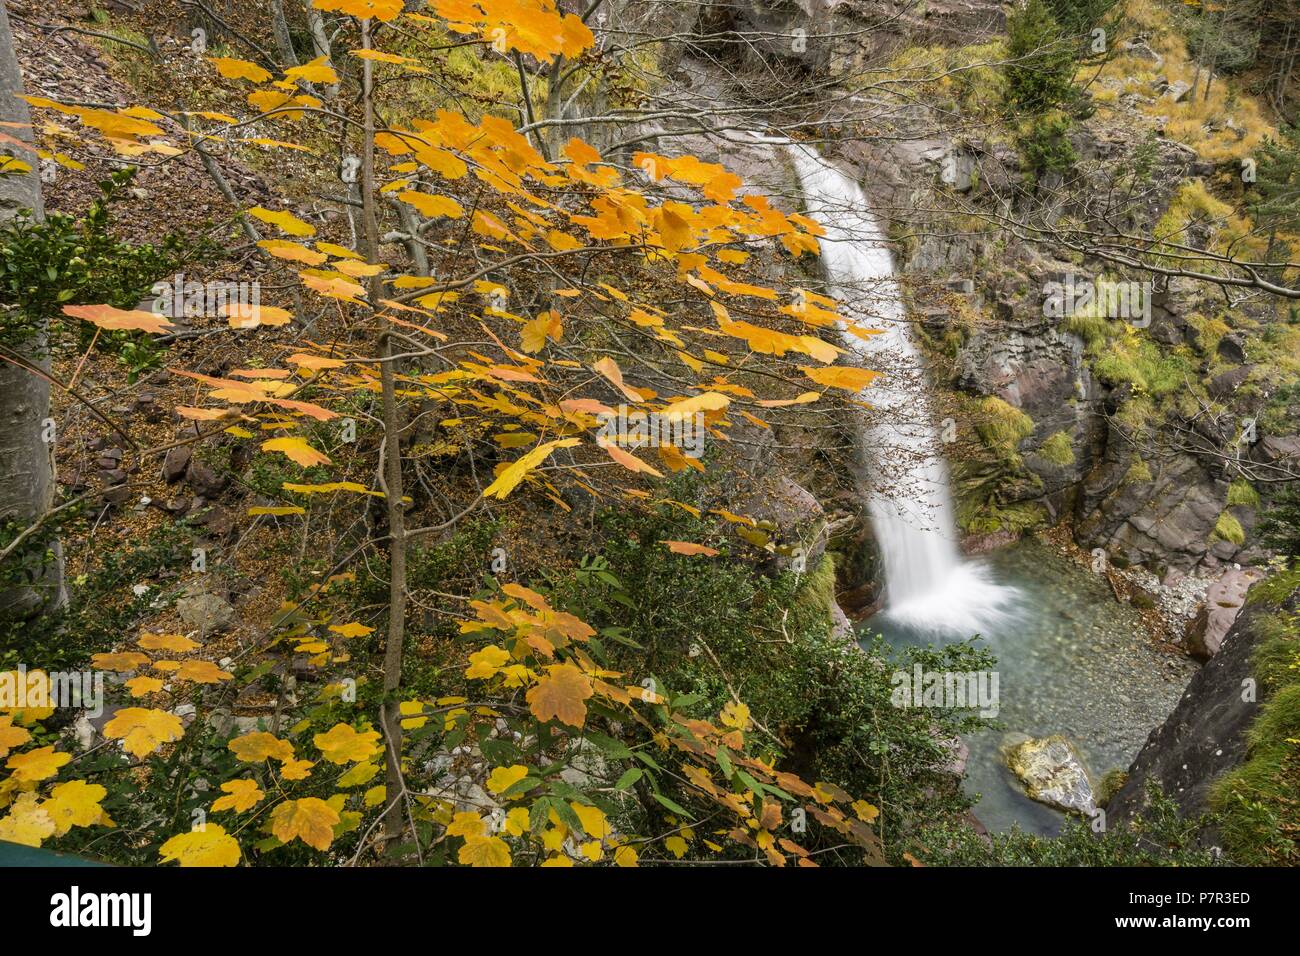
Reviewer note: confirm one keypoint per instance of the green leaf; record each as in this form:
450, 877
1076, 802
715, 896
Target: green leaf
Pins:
609, 745
629, 778
671, 805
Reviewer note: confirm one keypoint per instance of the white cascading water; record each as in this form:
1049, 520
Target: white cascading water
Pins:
928, 587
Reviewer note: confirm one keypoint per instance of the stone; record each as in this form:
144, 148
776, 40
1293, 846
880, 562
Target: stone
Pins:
218, 522
841, 626
204, 480
1225, 383
1206, 735
796, 516
205, 612
1140, 49
1053, 772
116, 495
175, 463
1177, 91
1232, 348
1223, 602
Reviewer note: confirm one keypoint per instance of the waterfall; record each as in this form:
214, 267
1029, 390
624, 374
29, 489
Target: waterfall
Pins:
928, 587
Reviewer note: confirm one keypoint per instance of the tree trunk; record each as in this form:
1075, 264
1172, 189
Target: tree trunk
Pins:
26, 453
320, 42
280, 30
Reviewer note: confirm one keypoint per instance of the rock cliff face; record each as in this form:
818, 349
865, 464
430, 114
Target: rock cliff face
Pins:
1204, 737
1143, 455
1142, 467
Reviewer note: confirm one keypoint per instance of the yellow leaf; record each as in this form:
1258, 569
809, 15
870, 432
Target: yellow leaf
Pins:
296, 769
242, 315
11, 736
735, 715
432, 206
258, 745
309, 819
625, 856
514, 473
503, 778
233, 69
626, 459
119, 320
517, 821
166, 642
484, 851
848, 377
560, 695
75, 804
209, 846
119, 662
240, 795
467, 824
594, 822
202, 672
143, 730
296, 450
28, 823
317, 71
351, 629
143, 685
283, 220
361, 773
343, 744
484, 664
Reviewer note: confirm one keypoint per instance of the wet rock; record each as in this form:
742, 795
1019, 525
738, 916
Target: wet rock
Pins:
1223, 602
1053, 772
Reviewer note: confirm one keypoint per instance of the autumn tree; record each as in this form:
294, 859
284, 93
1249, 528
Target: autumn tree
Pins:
485, 299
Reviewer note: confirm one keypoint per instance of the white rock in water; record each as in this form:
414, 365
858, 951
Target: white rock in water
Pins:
1053, 773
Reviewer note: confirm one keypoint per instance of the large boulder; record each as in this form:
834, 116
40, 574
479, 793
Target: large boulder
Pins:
1223, 602
1206, 735
1053, 772
793, 516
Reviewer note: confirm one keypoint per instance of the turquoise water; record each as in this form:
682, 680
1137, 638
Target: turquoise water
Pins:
1072, 661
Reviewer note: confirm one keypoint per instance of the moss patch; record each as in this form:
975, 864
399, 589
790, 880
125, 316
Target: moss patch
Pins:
1058, 450
1228, 528
1002, 427
1240, 492
1258, 803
